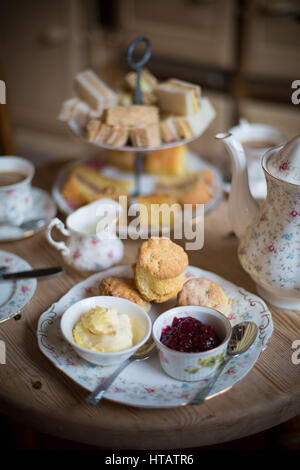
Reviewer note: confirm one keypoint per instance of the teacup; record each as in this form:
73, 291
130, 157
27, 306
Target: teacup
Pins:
256, 140
15, 197
92, 243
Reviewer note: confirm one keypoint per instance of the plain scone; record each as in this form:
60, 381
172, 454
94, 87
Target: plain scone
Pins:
122, 287
159, 270
206, 293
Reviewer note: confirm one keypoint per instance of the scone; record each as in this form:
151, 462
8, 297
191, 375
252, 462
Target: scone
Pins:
159, 270
122, 287
206, 293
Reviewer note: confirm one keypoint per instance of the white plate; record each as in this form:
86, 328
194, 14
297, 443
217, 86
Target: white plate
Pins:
147, 183
78, 132
14, 295
144, 384
43, 207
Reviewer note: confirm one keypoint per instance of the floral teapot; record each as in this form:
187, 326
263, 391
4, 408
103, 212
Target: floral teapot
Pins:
269, 248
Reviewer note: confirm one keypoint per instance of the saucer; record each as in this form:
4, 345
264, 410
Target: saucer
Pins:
43, 207
14, 295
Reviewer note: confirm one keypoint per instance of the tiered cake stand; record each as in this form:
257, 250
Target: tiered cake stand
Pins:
194, 163
139, 151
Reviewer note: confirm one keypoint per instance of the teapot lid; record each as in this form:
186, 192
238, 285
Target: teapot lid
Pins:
283, 162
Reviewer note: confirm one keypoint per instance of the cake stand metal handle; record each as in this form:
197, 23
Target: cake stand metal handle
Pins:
137, 66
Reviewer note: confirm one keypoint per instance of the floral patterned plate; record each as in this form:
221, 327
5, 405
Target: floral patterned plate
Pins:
144, 384
14, 295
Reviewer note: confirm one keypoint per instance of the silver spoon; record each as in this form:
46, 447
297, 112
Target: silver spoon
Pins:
141, 354
243, 336
31, 224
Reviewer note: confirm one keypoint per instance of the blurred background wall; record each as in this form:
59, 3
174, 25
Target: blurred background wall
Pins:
245, 54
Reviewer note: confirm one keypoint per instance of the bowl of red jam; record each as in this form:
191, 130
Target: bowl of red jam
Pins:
191, 341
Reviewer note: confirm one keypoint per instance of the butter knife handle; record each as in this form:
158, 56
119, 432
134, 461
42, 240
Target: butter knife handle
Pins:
32, 273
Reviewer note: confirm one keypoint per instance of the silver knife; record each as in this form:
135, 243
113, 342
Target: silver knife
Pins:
43, 272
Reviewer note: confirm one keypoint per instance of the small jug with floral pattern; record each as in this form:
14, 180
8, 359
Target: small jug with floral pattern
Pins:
269, 248
92, 243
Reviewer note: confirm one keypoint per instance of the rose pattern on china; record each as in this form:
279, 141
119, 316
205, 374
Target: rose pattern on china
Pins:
85, 251
269, 251
131, 387
19, 293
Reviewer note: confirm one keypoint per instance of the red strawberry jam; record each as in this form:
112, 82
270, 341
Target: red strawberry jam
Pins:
188, 334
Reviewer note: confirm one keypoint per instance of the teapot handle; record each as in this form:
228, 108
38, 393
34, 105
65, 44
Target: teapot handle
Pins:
60, 246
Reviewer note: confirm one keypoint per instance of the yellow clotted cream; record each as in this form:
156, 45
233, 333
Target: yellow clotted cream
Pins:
104, 330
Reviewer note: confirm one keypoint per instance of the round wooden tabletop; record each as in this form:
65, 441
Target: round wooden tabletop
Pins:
33, 390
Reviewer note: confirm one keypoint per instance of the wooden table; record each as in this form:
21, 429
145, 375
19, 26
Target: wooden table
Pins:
32, 389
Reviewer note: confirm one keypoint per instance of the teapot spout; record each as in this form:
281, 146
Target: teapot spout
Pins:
242, 206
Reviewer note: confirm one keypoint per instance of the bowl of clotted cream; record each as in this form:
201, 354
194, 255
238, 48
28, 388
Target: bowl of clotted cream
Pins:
105, 330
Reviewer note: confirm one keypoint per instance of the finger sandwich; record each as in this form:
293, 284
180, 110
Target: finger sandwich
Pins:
78, 111
169, 131
148, 85
98, 131
178, 97
148, 81
94, 91
195, 124
148, 136
131, 116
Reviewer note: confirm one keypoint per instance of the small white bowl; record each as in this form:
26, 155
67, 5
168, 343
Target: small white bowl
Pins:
191, 367
142, 328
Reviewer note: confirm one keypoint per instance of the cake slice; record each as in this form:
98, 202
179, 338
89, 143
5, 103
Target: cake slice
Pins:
148, 136
158, 210
198, 193
85, 185
94, 91
178, 97
122, 160
131, 116
186, 188
170, 161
